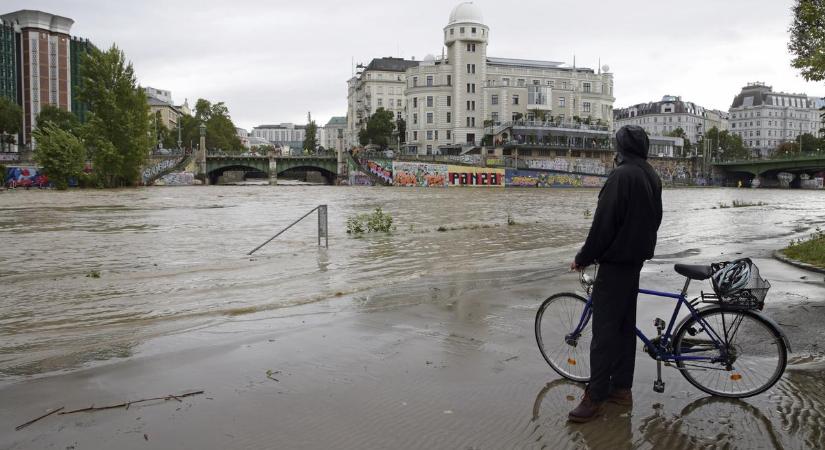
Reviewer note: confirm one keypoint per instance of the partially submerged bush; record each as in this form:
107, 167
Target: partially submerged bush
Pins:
375, 222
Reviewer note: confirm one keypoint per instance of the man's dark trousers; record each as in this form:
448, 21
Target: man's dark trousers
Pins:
613, 348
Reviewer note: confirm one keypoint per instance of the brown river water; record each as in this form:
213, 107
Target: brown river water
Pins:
173, 260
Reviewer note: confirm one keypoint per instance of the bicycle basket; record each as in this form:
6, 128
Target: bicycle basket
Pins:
748, 290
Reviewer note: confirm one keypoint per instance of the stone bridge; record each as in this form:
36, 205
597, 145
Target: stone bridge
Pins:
272, 166
767, 169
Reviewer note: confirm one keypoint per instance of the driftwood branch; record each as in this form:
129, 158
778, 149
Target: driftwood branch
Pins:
20, 427
130, 403
125, 405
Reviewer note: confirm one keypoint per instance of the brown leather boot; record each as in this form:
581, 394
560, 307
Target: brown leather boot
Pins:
621, 396
587, 410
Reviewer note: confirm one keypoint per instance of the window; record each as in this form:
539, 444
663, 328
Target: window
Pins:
494, 99
415, 135
515, 99
586, 107
586, 87
415, 102
429, 149
452, 31
471, 88
461, 30
473, 30
380, 102
536, 82
561, 102
449, 100
471, 68
449, 80
429, 101
468, 121
429, 135
436, 135
550, 83
398, 103
415, 81
415, 118
471, 47
505, 81
429, 80
521, 82
449, 118
449, 134
514, 117
429, 117
494, 116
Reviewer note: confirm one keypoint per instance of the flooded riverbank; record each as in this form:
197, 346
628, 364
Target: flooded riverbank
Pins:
439, 320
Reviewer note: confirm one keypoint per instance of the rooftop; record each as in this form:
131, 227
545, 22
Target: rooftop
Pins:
530, 63
466, 12
337, 120
391, 64
31, 18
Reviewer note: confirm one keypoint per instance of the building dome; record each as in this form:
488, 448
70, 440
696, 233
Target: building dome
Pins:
466, 12
428, 60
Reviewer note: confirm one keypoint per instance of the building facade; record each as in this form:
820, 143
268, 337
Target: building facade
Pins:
8, 61
662, 118
285, 134
332, 130
380, 84
765, 119
451, 102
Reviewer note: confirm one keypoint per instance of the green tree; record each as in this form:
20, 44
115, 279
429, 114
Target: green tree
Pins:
117, 128
163, 135
310, 136
808, 143
11, 120
379, 128
732, 147
808, 39
59, 152
63, 119
786, 150
220, 130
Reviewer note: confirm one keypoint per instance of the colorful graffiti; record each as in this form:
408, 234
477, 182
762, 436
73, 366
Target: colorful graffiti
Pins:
25, 177
579, 165
420, 174
153, 171
534, 178
176, 179
380, 168
475, 176
355, 177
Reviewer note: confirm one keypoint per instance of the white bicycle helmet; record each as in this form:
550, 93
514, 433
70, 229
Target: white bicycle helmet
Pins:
732, 276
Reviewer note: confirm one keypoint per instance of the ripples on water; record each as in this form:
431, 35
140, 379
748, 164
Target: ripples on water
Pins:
173, 258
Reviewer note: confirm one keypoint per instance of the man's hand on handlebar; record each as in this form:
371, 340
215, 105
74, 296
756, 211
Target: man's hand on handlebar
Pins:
576, 267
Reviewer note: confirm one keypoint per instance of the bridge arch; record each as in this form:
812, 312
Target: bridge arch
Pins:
250, 171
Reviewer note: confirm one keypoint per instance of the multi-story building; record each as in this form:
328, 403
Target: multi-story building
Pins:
663, 117
450, 100
285, 134
40, 65
381, 84
160, 94
169, 113
764, 119
332, 130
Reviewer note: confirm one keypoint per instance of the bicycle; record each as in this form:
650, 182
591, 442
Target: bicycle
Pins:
727, 348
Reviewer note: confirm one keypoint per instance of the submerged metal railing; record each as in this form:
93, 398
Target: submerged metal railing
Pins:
323, 230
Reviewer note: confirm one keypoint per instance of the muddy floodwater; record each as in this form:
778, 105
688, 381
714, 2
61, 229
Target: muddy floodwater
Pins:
98, 280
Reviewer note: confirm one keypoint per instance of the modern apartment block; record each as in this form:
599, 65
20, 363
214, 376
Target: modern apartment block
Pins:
447, 100
663, 117
285, 134
380, 84
40, 64
765, 119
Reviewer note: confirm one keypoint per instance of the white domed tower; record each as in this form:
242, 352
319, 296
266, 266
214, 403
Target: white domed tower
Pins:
465, 37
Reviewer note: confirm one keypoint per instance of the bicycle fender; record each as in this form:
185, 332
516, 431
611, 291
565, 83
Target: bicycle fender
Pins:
756, 313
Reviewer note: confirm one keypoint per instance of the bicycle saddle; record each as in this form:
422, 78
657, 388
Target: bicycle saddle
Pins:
694, 272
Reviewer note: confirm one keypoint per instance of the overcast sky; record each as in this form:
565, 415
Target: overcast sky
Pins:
272, 61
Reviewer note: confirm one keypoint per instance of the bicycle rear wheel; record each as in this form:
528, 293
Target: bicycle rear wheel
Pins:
751, 359
556, 319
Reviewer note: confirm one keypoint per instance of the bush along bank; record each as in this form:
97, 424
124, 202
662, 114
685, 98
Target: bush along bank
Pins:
809, 251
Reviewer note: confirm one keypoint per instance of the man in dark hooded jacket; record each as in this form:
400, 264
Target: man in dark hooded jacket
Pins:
621, 238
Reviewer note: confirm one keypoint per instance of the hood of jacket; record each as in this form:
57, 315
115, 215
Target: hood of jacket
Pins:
632, 140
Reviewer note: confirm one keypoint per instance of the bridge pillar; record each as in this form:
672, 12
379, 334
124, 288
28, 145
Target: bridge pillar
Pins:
273, 171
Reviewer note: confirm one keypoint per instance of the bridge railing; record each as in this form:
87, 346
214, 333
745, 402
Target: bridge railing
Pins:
277, 154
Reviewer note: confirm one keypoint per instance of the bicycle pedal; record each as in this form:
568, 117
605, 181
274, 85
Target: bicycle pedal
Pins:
659, 386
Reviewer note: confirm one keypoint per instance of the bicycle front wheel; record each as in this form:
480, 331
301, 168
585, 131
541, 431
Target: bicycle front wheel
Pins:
556, 322
745, 358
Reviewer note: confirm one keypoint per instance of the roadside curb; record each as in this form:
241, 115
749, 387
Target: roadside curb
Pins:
802, 265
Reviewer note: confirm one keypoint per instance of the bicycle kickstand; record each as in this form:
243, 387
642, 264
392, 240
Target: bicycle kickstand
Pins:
659, 385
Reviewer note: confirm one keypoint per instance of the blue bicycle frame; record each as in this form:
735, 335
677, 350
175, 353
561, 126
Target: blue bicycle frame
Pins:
660, 350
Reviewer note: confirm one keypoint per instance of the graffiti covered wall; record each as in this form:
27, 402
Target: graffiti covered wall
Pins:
380, 168
535, 178
25, 177
475, 176
176, 179
420, 174
355, 177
